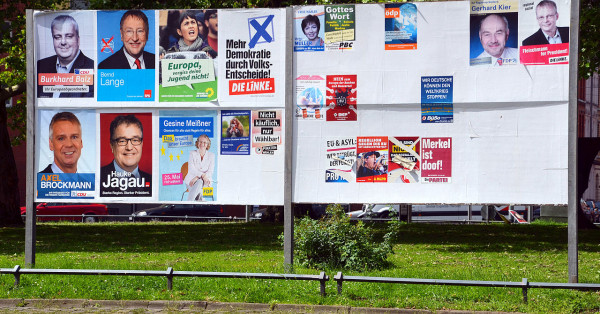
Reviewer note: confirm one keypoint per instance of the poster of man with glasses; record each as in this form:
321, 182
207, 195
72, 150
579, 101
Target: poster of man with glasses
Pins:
127, 174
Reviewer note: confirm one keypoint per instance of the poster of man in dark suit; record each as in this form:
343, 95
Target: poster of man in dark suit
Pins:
547, 15
68, 59
134, 31
123, 175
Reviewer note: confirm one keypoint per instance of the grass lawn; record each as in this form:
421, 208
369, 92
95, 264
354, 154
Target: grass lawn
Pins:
470, 252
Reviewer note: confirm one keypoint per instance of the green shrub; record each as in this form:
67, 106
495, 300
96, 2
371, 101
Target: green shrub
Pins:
333, 242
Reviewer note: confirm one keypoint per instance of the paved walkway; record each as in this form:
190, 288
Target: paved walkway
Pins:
135, 306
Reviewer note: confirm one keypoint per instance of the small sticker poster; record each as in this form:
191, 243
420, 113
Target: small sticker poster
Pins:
266, 131
436, 99
405, 161
309, 28
436, 159
341, 98
372, 159
340, 159
544, 32
235, 132
310, 97
400, 26
339, 27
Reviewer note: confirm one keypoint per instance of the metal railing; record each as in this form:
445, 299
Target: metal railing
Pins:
17, 271
524, 284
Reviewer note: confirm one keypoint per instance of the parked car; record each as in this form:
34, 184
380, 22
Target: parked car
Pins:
171, 212
76, 211
369, 211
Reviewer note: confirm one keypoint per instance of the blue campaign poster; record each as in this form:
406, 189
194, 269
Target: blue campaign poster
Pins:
126, 58
436, 99
188, 155
235, 132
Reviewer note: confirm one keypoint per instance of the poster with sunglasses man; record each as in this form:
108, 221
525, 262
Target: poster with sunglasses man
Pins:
127, 174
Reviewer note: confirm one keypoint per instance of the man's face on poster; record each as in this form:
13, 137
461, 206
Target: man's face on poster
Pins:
127, 146
66, 42
134, 35
65, 142
212, 23
546, 17
493, 34
370, 161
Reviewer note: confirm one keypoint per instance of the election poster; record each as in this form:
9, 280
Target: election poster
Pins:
494, 33
400, 26
544, 32
235, 132
65, 168
188, 64
437, 99
188, 155
308, 33
405, 159
310, 97
339, 27
252, 66
126, 55
436, 159
340, 160
341, 98
126, 154
266, 131
372, 158
65, 54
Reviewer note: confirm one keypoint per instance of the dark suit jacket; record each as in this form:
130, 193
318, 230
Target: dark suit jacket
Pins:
47, 169
538, 38
105, 171
119, 61
48, 65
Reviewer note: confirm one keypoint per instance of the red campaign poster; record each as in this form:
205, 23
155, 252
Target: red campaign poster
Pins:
436, 159
372, 159
341, 98
405, 162
545, 54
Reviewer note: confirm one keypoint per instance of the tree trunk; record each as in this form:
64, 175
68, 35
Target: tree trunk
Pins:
10, 214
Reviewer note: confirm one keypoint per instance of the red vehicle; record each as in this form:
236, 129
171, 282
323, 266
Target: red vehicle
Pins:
77, 210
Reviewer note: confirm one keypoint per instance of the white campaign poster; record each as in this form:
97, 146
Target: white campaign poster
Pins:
252, 57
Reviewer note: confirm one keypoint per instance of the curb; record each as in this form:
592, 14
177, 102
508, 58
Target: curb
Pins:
79, 305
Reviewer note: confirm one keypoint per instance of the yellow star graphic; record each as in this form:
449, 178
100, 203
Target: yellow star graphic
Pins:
177, 157
162, 150
171, 157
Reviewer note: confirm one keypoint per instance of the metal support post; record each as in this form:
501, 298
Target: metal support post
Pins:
17, 275
339, 277
322, 280
30, 212
170, 278
288, 212
525, 286
572, 145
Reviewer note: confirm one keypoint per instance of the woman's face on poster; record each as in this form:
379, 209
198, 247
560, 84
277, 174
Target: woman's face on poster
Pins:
188, 30
311, 31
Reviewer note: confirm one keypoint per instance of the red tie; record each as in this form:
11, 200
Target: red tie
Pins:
137, 63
